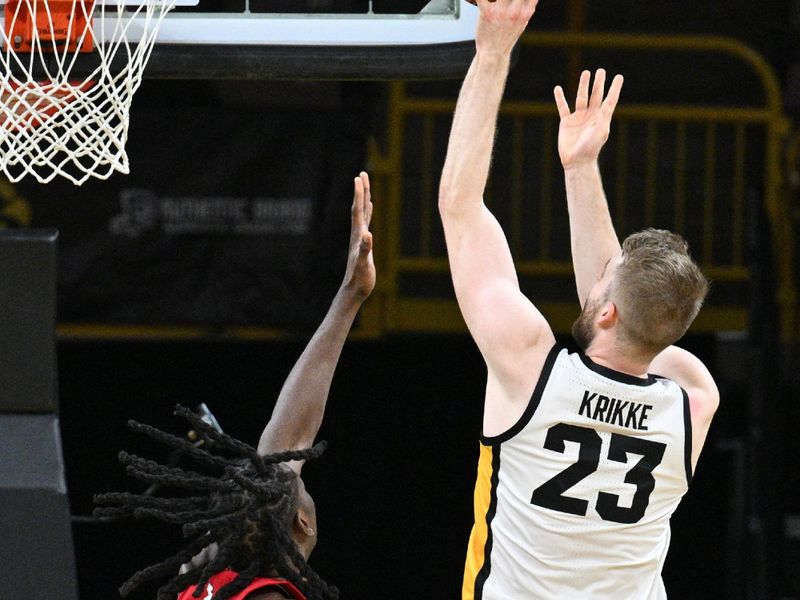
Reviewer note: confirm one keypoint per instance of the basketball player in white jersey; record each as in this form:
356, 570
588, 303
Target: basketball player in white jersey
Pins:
583, 457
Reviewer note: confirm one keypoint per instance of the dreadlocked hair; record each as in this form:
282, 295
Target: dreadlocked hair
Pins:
244, 504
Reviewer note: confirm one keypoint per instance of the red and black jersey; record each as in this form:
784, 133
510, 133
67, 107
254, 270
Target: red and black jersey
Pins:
258, 584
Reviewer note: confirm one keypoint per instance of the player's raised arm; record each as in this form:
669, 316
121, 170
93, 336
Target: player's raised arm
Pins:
581, 135
501, 319
298, 412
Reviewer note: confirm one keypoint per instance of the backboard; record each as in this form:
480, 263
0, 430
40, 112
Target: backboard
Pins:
333, 23
69, 68
315, 39
302, 39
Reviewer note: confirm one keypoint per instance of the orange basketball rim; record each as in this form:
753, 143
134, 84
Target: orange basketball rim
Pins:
51, 23
68, 72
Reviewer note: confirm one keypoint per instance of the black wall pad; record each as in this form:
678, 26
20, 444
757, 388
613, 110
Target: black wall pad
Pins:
27, 320
37, 552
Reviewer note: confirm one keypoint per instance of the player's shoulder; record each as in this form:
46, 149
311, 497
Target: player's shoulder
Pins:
703, 402
691, 374
511, 392
521, 368
275, 593
683, 367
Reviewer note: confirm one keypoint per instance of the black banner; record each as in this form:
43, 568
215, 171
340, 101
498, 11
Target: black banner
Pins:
235, 211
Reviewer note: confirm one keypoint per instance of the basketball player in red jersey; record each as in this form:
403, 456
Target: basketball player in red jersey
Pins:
584, 456
254, 521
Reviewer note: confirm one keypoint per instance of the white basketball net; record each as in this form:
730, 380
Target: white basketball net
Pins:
54, 123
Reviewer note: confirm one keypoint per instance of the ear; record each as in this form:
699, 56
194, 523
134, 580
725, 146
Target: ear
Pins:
302, 523
607, 315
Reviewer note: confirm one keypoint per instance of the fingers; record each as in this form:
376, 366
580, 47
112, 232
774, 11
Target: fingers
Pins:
357, 210
528, 5
362, 202
598, 88
368, 213
610, 103
367, 209
596, 102
582, 99
561, 102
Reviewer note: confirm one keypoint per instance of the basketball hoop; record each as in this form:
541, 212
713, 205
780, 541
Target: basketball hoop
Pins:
66, 84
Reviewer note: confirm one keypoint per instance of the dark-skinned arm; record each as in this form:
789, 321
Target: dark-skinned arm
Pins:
300, 408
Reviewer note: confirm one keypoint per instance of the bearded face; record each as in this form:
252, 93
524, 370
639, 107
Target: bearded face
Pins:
583, 328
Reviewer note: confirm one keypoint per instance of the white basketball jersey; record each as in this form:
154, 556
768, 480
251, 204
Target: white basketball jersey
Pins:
574, 501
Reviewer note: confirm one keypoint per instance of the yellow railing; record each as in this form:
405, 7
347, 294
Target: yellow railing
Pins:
689, 168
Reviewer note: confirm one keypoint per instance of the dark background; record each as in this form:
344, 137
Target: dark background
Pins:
394, 490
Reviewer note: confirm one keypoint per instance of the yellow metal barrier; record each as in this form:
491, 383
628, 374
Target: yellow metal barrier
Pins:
689, 168
682, 167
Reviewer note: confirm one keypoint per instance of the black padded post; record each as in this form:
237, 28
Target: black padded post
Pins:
35, 528
27, 320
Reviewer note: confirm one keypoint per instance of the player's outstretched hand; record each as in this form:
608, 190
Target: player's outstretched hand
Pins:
583, 133
359, 277
501, 23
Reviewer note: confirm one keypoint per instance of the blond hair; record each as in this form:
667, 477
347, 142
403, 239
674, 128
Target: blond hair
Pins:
657, 289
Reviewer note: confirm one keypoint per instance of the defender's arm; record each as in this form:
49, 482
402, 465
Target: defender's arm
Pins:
298, 412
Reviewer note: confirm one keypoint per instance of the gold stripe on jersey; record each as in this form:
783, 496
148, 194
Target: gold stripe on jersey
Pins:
480, 530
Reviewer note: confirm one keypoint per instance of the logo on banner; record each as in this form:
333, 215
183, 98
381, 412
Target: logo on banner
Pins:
143, 211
